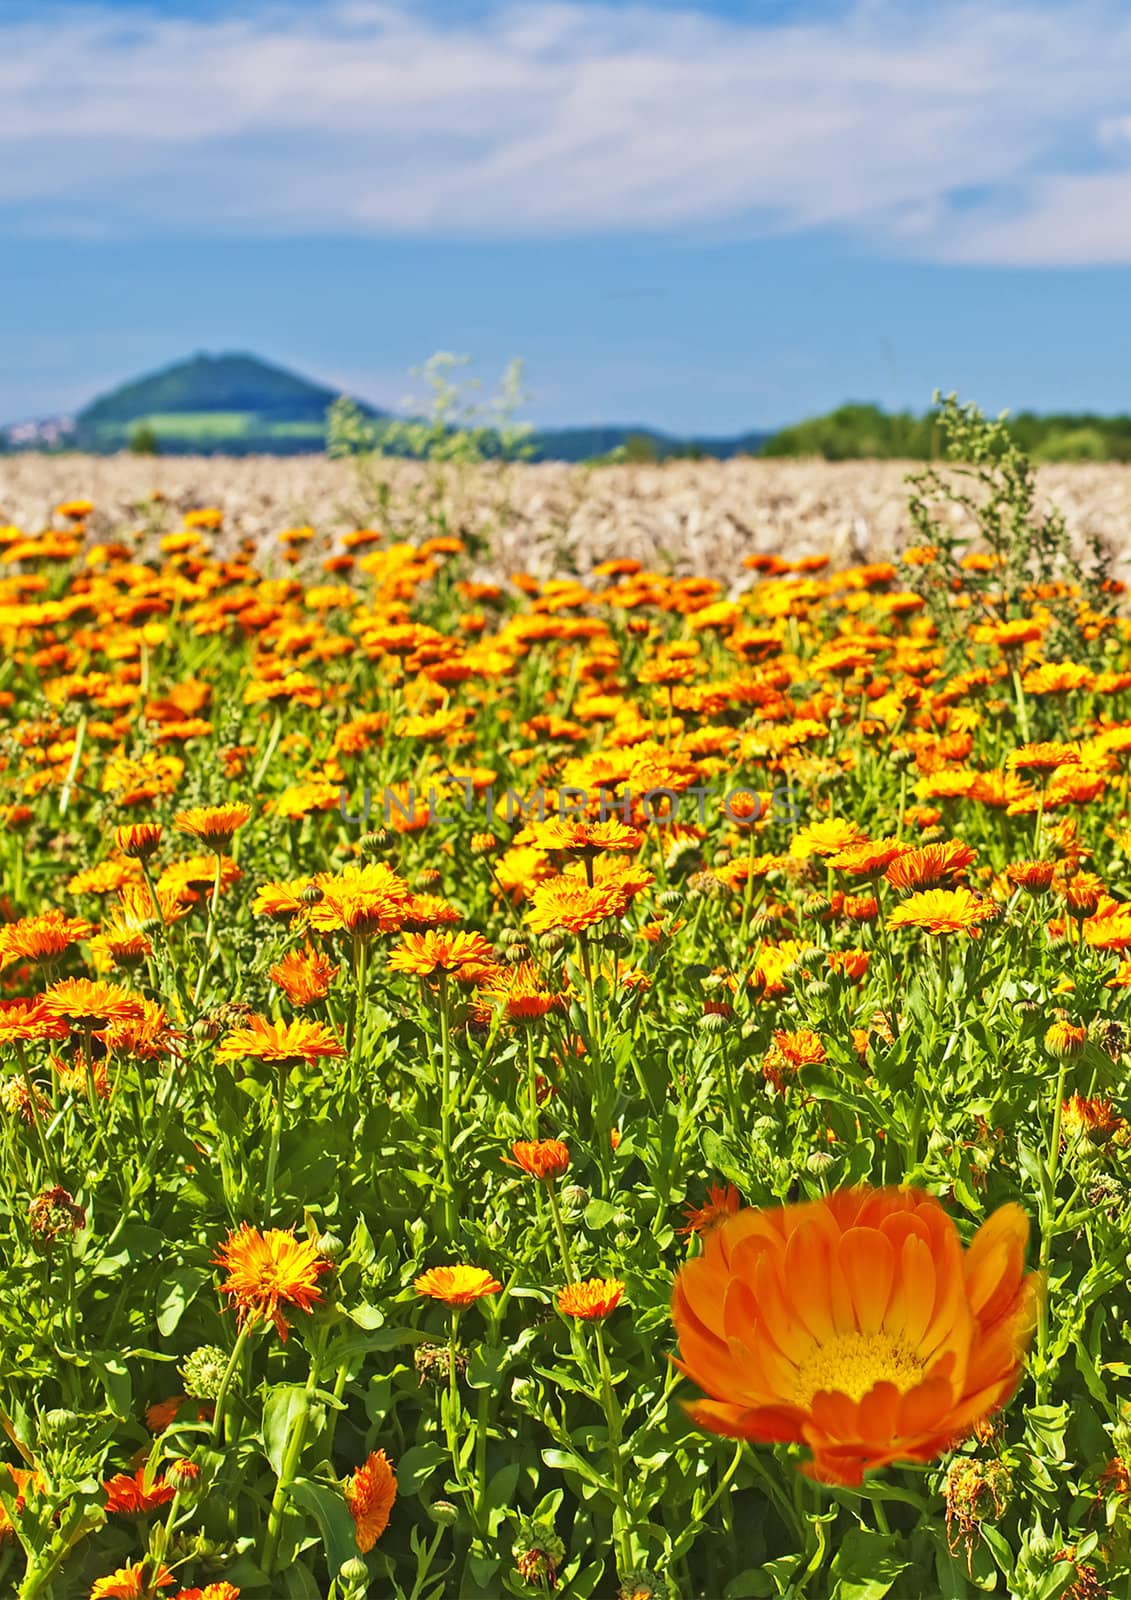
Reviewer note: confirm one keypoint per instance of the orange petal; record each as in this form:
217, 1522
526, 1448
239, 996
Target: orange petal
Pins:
869, 1266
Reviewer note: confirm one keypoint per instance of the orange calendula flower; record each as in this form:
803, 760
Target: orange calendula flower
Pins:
522, 992
361, 901
283, 1043
212, 825
267, 1271
573, 905
42, 937
930, 866
541, 1158
23, 1020
592, 1300
369, 1495
942, 911
831, 838
467, 957
130, 1495
138, 840
211, 1591
456, 1285
134, 1582
1066, 1039
1089, 1117
791, 1051
304, 976
82, 1003
722, 1202
1033, 876
856, 1325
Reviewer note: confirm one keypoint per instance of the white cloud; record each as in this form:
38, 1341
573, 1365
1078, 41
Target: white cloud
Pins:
977, 132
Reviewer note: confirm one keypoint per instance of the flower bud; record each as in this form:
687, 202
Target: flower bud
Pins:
203, 1371
353, 1575
182, 1474
1066, 1040
574, 1198
57, 1429
444, 1513
330, 1247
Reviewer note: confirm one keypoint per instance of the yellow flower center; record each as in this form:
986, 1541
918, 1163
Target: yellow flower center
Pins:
853, 1363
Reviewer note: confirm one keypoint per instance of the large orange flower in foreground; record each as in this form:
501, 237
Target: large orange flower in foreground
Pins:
270, 1270
856, 1325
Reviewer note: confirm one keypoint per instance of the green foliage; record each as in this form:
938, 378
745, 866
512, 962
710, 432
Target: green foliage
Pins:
857, 430
990, 480
144, 440
862, 431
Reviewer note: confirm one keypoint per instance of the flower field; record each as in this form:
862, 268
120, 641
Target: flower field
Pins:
611, 1085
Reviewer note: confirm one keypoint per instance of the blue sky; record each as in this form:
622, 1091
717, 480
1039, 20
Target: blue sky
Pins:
707, 216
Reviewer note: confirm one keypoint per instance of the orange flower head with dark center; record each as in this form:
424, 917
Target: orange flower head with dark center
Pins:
541, 1158
211, 1591
1089, 1117
592, 1300
930, 866
942, 911
267, 1271
83, 1003
467, 957
456, 1285
1033, 876
789, 1052
138, 840
369, 1494
304, 976
362, 901
212, 825
24, 1020
284, 1044
43, 937
133, 1582
129, 1494
856, 1325
572, 906
522, 993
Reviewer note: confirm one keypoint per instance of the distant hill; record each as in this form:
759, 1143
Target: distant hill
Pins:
228, 404
239, 405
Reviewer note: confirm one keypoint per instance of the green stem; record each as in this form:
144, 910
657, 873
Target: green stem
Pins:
446, 1109
611, 1407
273, 1148
221, 1401
563, 1241
291, 1458
1052, 1169
72, 770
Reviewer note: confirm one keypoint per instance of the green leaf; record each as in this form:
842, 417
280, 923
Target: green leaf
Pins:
866, 1566
328, 1508
417, 1465
178, 1290
599, 1213
115, 1379
281, 1411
